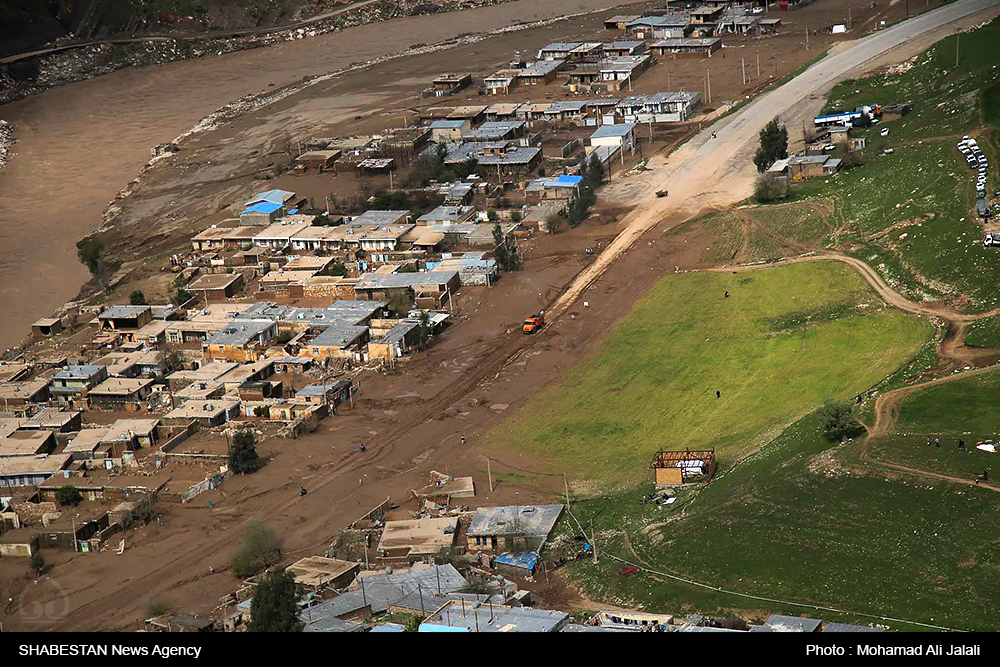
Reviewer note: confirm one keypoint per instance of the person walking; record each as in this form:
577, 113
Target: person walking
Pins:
928, 441
463, 439
361, 448
727, 295
937, 443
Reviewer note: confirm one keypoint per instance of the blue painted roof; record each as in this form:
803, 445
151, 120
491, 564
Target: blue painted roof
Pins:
433, 627
262, 207
527, 560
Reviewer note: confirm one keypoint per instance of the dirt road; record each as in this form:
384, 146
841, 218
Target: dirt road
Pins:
694, 174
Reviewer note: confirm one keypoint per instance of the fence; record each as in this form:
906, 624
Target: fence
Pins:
208, 484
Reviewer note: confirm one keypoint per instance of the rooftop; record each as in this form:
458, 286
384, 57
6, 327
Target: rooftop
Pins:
201, 409
374, 217
240, 332
617, 130
520, 155
317, 571
84, 372
121, 386
24, 465
532, 520
421, 536
380, 281
123, 312
779, 623
215, 281
125, 428
275, 196
338, 335
24, 443
493, 618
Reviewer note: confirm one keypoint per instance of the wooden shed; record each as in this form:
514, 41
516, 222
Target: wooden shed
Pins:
673, 468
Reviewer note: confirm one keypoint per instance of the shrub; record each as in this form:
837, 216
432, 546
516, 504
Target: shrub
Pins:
68, 495
259, 550
838, 420
767, 188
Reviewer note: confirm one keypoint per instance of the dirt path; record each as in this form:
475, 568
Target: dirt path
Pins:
952, 352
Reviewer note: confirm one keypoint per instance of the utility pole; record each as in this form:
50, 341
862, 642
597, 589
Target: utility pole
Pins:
708, 76
958, 35
758, 64
566, 484
807, 39
849, 17
743, 67
593, 540
489, 473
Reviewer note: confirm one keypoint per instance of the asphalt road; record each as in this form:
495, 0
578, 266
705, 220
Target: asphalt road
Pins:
712, 173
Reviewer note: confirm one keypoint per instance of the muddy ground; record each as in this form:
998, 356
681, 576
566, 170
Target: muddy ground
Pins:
78, 145
410, 420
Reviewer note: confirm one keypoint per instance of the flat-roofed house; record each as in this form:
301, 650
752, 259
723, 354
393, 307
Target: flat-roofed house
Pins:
516, 528
217, 286
410, 541
72, 383
700, 47
27, 443
315, 573
449, 131
120, 393
125, 318
26, 471
241, 340
207, 413
621, 136
47, 326
337, 340
278, 235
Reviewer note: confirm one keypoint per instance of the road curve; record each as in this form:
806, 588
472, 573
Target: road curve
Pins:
694, 172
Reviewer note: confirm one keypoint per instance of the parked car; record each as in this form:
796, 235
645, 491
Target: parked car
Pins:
887, 151
884, 132
830, 147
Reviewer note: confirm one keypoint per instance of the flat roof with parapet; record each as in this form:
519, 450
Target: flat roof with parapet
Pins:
87, 440
281, 230
210, 371
660, 22
121, 386
123, 427
23, 443
541, 68
374, 217
83, 372
377, 281
420, 536
197, 409
503, 108
316, 571
480, 618
22, 390
245, 232
354, 231
532, 520
122, 312
240, 332
467, 111
14, 465
447, 213
50, 417
215, 281
623, 44
211, 233
322, 389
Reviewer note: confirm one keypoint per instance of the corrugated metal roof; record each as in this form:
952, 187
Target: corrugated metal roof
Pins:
262, 207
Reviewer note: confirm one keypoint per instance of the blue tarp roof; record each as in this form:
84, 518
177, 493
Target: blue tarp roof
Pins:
262, 207
527, 560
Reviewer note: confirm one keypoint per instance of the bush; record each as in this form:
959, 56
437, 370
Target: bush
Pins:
181, 296
137, 298
68, 495
852, 159
553, 223
259, 550
767, 188
158, 608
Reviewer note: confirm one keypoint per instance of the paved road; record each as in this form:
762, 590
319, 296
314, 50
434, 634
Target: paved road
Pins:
192, 37
708, 172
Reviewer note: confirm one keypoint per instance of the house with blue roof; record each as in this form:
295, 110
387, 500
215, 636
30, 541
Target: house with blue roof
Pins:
262, 213
558, 189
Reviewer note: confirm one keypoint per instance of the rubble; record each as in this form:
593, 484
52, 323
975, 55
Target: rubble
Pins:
6, 141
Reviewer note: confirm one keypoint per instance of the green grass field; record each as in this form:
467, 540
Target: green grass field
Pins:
963, 409
984, 332
788, 338
802, 521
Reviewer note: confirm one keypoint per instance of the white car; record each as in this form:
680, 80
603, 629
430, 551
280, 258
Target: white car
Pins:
887, 151
830, 147
884, 132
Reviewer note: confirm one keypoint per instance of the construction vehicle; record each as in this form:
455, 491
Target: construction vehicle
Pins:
661, 193
534, 323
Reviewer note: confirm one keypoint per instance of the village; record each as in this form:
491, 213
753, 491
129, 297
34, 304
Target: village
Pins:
355, 261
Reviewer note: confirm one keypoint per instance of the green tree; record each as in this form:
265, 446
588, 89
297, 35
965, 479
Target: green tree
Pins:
595, 172
91, 252
553, 223
275, 607
181, 296
492, 215
38, 563
423, 330
852, 159
259, 550
412, 623
243, 457
68, 495
515, 216
137, 298
400, 301
773, 145
838, 420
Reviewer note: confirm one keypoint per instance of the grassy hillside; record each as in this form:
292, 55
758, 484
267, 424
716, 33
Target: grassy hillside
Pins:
804, 521
787, 338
